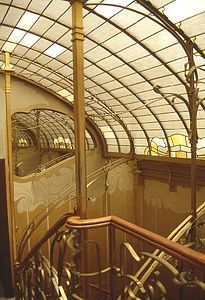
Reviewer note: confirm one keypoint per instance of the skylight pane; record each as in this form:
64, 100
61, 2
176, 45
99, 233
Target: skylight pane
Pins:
70, 98
64, 93
9, 47
55, 50
3, 66
29, 39
16, 35
27, 20
108, 10
179, 10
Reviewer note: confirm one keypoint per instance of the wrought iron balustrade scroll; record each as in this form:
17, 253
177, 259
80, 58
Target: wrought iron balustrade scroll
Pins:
177, 274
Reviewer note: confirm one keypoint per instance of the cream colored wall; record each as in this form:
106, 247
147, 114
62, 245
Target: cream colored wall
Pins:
163, 208
30, 159
37, 193
26, 97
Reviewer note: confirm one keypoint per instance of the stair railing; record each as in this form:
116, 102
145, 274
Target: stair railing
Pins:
112, 247
67, 196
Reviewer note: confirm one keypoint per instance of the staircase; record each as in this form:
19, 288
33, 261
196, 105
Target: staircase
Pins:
107, 258
110, 259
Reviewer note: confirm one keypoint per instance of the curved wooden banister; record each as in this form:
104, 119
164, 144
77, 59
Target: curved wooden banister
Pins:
185, 254
59, 223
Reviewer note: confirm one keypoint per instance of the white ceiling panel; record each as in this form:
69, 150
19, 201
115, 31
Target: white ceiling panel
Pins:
127, 57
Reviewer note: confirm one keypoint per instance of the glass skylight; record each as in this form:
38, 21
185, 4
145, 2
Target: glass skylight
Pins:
70, 98
55, 50
125, 56
27, 20
29, 39
106, 10
109, 11
3, 66
16, 35
64, 93
9, 47
179, 10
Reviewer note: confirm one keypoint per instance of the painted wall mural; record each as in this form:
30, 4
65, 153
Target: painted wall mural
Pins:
159, 195
120, 178
58, 183
44, 188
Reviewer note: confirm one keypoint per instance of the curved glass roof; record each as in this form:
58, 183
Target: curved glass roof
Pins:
52, 129
136, 55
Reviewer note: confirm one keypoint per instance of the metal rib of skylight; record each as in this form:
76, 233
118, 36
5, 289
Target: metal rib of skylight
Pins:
45, 81
51, 124
173, 85
53, 46
107, 64
129, 95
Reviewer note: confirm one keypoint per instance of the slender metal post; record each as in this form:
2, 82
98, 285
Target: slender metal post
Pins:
9, 161
38, 131
79, 106
193, 97
15, 149
79, 122
112, 261
193, 159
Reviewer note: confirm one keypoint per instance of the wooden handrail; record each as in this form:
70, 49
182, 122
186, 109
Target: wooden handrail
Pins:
60, 222
185, 254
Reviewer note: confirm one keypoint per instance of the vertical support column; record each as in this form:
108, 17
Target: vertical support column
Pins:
112, 261
193, 157
79, 122
193, 97
15, 149
38, 131
9, 161
138, 201
79, 106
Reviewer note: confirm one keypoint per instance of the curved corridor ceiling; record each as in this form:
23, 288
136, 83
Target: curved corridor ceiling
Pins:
135, 58
53, 130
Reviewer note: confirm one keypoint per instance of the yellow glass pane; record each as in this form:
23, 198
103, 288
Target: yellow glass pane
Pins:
201, 143
146, 152
154, 153
154, 145
181, 154
179, 139
170, 141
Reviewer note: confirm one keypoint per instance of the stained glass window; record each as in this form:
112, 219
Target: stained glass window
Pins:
179, 146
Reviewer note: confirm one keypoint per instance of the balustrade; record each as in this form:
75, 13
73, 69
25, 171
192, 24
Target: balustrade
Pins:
122, 264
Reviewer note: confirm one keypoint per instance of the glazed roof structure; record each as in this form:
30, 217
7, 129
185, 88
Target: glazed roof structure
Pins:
136, 64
